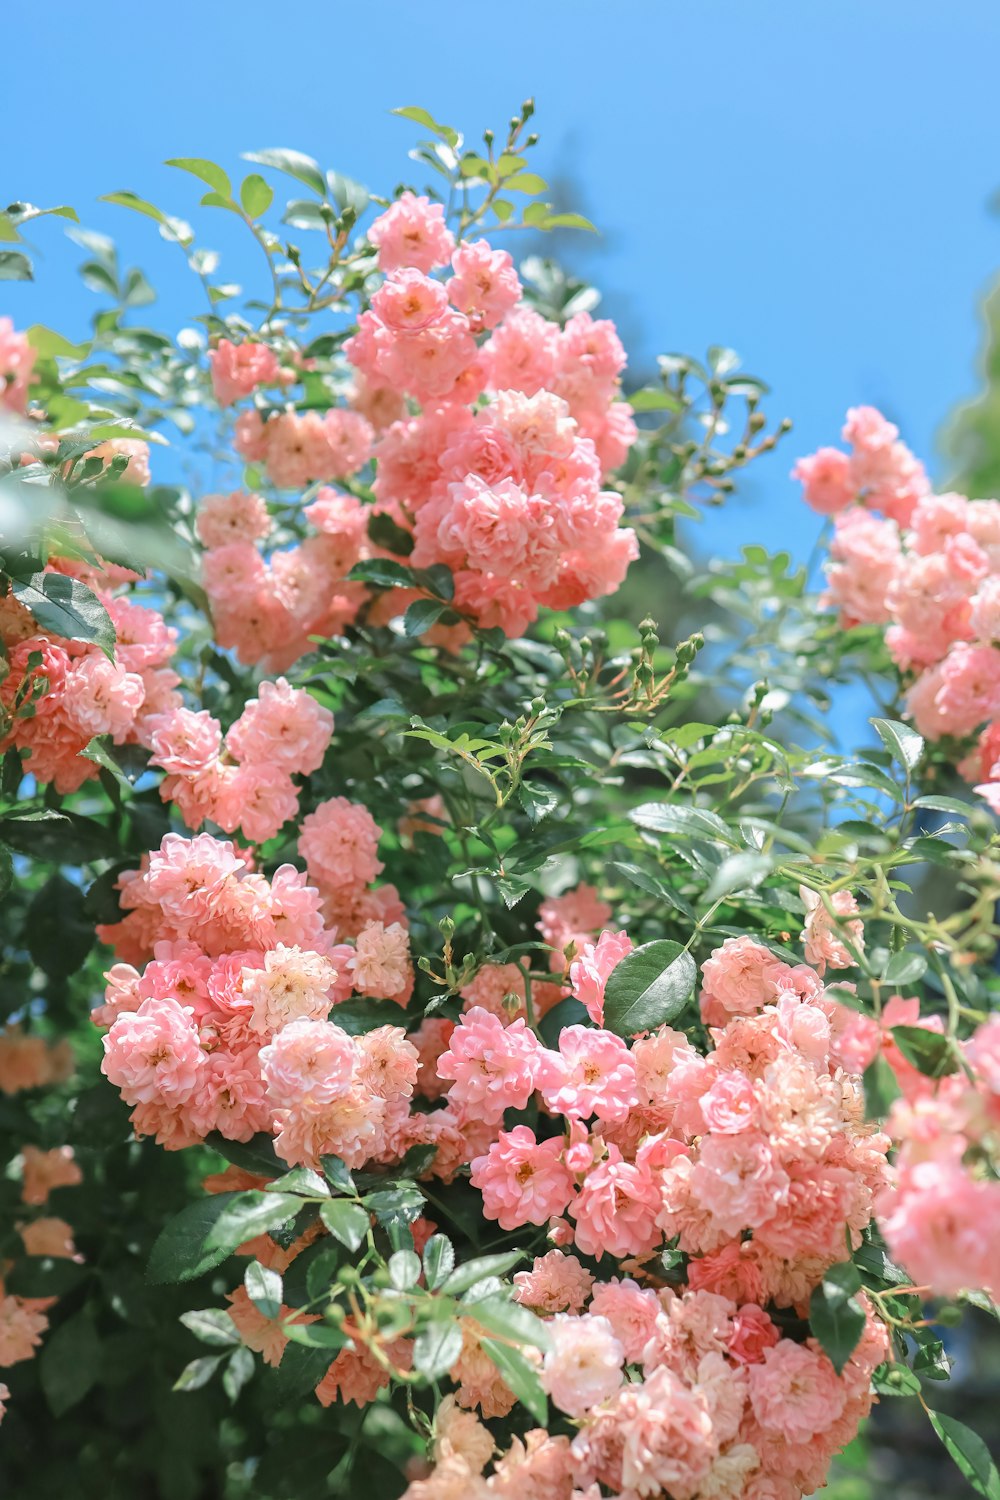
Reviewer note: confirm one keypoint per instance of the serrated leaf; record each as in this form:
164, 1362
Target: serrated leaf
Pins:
212, 1326
404, 1269
65, 607
249, 1214
439, 1260
649, 987
903, 743
347, 1222
437, 1347
264, 1288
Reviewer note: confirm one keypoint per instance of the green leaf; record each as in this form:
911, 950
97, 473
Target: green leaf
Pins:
293, 164
929, 1052
521, 1377
396, 1205
422, 117
337, 1174
471, 1271
181, 1250
944, 804
739, 872
404, 1269
525, 182
649, 987
238, 1372
58, 931
65, 607
15, 266
693, 822
249, 1214
383, 572
904, 968
198, 1373
970, 1453
881, 1089
384, 532
207, 171
836, 1315
509, 1320
176, 228
537, 799
895, 1380
49, 344
302, 1181
264, 1289
256, 195
212, 1326
421, 615
316, 1335
437, 1347
347, 1222
568, 1012
903, 743
566, 221
439, 1260
70, 1362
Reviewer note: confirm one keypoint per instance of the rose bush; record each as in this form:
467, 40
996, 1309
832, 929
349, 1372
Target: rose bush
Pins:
504, 1023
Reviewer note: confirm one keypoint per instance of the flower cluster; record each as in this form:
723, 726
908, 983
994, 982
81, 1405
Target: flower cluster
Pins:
753, 1160
245, 779
62, 693
17, 364
230, 1008
266, 608
941, 1213
497, 476
715, 1403
928, 571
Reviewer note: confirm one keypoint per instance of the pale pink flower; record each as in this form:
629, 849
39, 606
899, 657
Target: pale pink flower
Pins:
616, 1208
154, 1053
380, 964
339, 843
827, 481
631, 1310
821, 941
236, 517
583, 1367
794, 1391
556, 1283
17, 363
590, 971
485, 285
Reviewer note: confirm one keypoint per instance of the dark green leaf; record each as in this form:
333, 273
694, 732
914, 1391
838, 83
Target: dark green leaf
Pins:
65, 607
970, 1453
649, 987
521, 1377
836, 1315
250, 1214
930, 1053
70, 1362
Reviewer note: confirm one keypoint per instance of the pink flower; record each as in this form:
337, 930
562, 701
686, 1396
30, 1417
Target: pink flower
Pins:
339, 843
238, 369
739, 1180
17, 363
154, 1053
412, 232
632, 1312
522, 1181
738, 979
668, 1440
827, 480
943, 1226
821, 942
21, 1329
865, 556
485, 285
381, 963
752, 1335
282, 727
584, 1365
616, 1209
794, 1391
291, 984
574, 917
729, 1105
592, 1074
556, 1283
308, 1064
493, 1067
589, 973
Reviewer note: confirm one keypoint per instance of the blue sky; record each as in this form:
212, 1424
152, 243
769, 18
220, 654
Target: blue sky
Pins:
805, 180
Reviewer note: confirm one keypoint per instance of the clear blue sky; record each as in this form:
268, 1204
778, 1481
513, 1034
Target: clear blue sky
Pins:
806, 180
